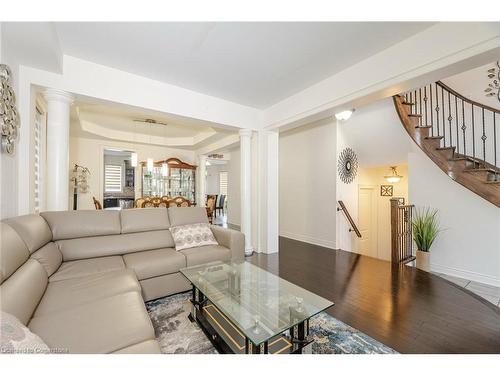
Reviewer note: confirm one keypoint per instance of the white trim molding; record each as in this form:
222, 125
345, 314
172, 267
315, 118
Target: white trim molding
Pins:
310, 240
468, 275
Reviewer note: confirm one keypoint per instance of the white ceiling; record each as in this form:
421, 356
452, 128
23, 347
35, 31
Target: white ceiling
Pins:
256, 64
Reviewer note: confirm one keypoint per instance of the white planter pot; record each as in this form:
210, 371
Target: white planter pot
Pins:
423, 260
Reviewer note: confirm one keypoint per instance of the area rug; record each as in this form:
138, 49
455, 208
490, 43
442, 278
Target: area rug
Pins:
178, 335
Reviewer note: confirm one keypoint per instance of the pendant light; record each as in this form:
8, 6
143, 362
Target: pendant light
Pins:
150, 161
164, 166
393, 178
164, 169
133, 156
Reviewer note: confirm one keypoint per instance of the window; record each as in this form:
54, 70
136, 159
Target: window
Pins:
112, 178
223, 183
39, 151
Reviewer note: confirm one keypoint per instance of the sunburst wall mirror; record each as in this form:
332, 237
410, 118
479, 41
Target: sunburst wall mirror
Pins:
347, 165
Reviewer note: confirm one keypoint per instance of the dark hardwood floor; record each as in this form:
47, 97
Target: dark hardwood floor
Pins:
407, 309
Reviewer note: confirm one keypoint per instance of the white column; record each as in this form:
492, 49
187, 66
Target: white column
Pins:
246, 188
58, 117
268, 215
202, 181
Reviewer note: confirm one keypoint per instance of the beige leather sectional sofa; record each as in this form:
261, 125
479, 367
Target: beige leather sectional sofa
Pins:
79, 279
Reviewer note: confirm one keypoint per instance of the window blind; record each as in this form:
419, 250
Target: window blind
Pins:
223, 183
112, 178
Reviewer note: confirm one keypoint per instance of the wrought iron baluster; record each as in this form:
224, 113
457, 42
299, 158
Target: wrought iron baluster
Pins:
420, 105
495, 144
437, 111
425, 106
464, 127
450, 118
443, 109
473, 134
456, 122
432, 109
483, 138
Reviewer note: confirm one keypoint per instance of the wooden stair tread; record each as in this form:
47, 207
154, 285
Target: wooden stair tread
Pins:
407, 103
492, 182
414, 115
435, 137
446, 148
423, 127
480, 170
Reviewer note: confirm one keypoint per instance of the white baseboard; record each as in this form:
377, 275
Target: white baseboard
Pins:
464, 274
308, 239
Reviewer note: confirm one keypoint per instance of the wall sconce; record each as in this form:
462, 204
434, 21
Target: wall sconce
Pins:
393, 178
344, 115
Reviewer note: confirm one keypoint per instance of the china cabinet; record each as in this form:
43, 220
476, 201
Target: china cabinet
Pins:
176, 181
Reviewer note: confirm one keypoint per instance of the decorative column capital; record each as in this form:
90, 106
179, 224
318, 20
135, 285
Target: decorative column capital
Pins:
246, 133
58, 96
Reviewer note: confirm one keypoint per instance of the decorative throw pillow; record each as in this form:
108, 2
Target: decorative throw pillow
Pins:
192, 235
16, 338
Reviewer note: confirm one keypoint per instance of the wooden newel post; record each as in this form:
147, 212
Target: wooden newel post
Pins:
394, 230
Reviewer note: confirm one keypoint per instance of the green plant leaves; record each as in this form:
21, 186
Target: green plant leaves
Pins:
425, 226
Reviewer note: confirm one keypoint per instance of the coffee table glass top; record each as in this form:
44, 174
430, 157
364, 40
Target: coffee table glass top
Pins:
261, 304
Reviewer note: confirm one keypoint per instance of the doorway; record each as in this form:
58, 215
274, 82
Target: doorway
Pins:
367, 217
217, 189
119, 180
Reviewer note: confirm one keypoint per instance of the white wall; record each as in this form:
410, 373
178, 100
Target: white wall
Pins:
469, 246
307, 185
89, 153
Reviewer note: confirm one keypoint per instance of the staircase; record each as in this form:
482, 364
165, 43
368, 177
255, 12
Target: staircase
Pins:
458, 134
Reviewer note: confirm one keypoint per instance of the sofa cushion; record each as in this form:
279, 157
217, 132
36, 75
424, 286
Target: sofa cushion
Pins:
86, 267
92, 247
152, 263
187, 215
13, 251
103, 326
49, 257
206, 254
23, 290
82, 223
192, 235
32, 229
145, 347
16, 338
166, 285
65, 294
144, 219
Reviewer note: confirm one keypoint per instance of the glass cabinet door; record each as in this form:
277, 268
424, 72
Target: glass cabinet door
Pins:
180, 181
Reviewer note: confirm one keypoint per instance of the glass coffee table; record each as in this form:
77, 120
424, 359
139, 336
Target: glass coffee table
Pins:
245, 309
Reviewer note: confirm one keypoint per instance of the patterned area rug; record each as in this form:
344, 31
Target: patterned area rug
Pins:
177, 335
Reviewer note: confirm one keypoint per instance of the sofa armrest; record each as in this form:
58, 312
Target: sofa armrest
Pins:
232, 239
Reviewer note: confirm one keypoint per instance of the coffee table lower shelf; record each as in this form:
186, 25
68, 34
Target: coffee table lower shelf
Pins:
228, 339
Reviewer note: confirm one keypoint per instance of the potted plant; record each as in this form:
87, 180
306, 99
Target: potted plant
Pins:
425, 226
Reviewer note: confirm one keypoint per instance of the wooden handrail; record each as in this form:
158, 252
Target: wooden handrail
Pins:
467, 100
349, 219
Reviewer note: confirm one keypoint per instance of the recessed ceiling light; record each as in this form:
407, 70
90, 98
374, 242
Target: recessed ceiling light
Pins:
344, 115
